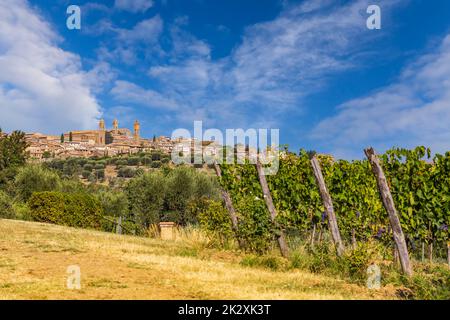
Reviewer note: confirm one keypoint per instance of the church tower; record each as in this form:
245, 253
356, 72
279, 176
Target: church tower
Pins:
137, 128
101, 124
116, 126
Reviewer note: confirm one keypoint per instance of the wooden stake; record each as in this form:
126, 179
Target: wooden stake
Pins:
423, 251
273, 212
430, 252
389, 205
328, 204
119, 225
448, 253
313, 235
353, 239
396, 256
230, 208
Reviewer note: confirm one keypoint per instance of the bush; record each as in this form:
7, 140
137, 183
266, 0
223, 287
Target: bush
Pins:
71, 167
99, 174
21, 211
86, 174
165, 160
214, 219
74, 210
114, 203
121, 162
269, 262
6, 207
133, 161
156, 164
126, 172
255, 227
56, 164
146, 161
35, 178
145, 195
99, 166
88, 167
156, 156
72, 185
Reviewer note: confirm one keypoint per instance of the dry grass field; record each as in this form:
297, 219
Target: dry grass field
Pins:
34, 258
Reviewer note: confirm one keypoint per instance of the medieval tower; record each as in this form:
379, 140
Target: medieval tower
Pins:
137, 128
116, 126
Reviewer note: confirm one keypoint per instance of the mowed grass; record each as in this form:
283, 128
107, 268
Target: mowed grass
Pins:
34, 258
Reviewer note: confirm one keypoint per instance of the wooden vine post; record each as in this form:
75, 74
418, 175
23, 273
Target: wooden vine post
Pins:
230, 208
273, 212
389, 205
328, 204
448, 253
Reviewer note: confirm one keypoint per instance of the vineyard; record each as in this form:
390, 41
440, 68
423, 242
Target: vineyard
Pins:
419, 185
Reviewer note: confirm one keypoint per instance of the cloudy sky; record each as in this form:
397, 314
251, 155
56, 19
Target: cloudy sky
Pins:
309, 68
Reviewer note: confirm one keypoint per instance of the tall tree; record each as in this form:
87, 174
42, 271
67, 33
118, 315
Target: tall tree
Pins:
62, 137
13, 150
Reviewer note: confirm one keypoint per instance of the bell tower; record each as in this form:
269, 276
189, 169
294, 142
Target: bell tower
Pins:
137, 128
101, 124
116, 126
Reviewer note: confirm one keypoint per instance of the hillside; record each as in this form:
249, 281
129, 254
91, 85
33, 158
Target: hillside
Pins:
34, 259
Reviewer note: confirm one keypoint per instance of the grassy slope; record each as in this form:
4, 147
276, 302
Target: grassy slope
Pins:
34, 258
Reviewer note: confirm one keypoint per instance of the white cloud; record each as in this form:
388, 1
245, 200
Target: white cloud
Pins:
42, 87
133, 6
146, 31
127, 45
125, 91
276, 65
412, 111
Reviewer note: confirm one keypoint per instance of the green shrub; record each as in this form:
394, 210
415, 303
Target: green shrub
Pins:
88, 167
146, 161
145, 194
355, 262
22, 211
121, 162
74, 210
71, 167
6, 206
86, 174
156, 164
133, 161
99, 166
35, 178
126, 172
214, 219
269, 262
255, 227
99, 174
156, 156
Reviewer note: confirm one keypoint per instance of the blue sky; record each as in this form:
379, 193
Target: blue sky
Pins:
309, 68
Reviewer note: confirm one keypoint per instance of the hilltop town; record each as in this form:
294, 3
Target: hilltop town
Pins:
104, 142
89, 143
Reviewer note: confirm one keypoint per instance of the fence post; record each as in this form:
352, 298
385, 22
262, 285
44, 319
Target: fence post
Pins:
448, 253
313, 235
273, 212
230, 208
389, 205
328, 204
119, 225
